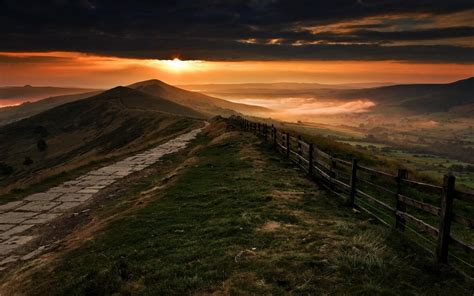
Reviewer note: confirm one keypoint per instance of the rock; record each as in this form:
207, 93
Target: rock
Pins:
245, 254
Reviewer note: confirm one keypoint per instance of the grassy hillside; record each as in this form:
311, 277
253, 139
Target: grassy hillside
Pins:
69, 136
234, 219
33, 93
422, 98
198, 101
15, 113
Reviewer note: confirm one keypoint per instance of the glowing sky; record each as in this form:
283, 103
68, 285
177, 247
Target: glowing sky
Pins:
103, 43
78, 69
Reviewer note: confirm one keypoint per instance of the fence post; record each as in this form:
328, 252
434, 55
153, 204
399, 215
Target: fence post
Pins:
445, 218
400, 206
287, 145
310, 160
353, 191
300, 151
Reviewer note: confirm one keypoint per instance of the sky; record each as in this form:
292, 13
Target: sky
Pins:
105, 43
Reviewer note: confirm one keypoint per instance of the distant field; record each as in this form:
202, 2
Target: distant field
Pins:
364, 144
432, 165
325, 130
428, 164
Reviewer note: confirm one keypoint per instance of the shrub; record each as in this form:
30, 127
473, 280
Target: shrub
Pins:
41, 145
28, 161
41, 131
5, 169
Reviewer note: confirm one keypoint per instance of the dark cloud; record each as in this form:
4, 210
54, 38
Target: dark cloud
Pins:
211, 29
8, 59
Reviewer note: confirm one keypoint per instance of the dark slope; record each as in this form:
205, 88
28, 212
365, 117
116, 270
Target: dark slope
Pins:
15, 113
419, 97
28, 92
114, 122
195, 100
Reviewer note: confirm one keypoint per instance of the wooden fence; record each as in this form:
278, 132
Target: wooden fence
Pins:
393, 199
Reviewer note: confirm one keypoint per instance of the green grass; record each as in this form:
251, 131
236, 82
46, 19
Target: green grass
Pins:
160, 137
364, 144
431, 165
185, 241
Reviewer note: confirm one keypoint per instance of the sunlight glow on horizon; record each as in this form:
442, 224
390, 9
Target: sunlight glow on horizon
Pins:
94, 71
177, 65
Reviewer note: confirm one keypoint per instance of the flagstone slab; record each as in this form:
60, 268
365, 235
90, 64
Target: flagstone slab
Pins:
15, 230
5, 227
41, 219
76, 197
43, 196
65, 189
9, 260
38, 206
17, 240
10, 206
88, 190
64, 206
15, 217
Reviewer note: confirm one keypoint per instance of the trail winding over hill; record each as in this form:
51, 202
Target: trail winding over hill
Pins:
18, 219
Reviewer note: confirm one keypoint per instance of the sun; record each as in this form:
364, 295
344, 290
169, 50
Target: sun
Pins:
175, 64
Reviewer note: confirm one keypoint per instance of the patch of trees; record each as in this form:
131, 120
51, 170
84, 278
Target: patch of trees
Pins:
452, 151
462, 168
5, 169
28, 161
41, 145
41, 131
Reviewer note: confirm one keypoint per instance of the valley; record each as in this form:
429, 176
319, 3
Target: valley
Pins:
428, 127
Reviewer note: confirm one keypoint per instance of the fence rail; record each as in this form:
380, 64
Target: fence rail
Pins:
392, 199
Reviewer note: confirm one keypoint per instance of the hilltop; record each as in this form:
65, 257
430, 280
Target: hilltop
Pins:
198, 101
207, 105
32, 93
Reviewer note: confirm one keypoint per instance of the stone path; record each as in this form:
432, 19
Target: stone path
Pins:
40, 208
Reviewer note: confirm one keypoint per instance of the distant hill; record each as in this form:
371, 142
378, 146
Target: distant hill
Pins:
419, 98
114, 122
195, 100
416, 98
21, 94
274, 90
277, 86
15, 113
205, 104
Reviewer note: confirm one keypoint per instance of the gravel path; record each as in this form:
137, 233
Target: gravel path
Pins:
41, 208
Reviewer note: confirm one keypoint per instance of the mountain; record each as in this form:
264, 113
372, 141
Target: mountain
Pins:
115, 122
238, 87
274, 90
10, 95
15, 113
195, 100
418, 98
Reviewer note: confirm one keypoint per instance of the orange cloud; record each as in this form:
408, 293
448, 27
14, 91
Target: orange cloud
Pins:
78, 69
